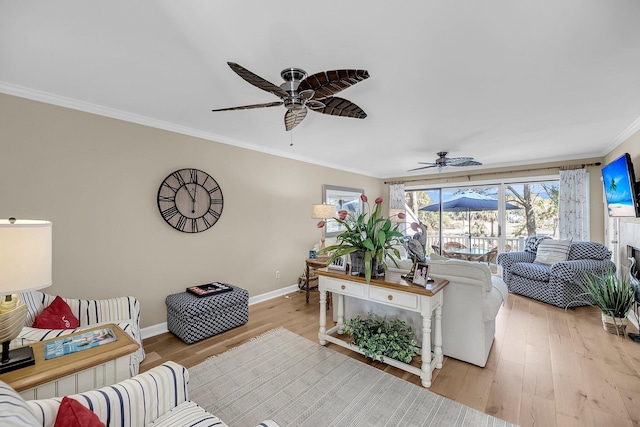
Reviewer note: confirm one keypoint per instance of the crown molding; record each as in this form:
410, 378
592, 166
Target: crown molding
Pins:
624, 135
87, 107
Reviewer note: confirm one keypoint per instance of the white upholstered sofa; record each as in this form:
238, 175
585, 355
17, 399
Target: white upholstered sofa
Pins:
158, 397
122, 311
472, 300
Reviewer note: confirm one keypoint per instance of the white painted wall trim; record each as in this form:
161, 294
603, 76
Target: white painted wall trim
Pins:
161, 328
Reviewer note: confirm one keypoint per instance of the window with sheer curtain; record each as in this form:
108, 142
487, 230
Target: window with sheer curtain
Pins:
573, 205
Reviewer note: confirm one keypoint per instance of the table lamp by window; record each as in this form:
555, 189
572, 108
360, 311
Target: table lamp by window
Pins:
323, 212
25, 265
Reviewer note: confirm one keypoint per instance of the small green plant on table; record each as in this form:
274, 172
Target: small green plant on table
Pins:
378, 337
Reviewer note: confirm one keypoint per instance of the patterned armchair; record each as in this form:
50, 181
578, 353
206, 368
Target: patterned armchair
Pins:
122, 311
556, 284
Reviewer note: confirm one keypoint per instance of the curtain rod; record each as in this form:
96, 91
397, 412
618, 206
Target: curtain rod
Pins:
568, 167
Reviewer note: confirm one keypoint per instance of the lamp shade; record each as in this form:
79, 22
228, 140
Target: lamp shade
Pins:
25, 255
322, 211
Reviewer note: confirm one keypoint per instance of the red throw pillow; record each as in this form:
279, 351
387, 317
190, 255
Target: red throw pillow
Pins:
72, 414
57, 316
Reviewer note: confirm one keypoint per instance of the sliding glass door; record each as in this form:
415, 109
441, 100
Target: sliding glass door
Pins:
538, 213
478, 222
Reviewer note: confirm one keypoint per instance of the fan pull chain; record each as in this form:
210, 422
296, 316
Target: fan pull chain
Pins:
291, 138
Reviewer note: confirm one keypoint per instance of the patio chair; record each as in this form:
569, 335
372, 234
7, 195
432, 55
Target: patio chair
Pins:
489, 257
452, 245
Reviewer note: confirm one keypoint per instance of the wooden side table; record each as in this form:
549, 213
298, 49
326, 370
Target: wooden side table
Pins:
76, 372
311, 265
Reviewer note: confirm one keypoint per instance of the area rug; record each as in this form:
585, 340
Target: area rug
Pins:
296, 382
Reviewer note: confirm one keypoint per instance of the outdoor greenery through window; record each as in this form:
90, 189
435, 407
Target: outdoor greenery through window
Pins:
469, 217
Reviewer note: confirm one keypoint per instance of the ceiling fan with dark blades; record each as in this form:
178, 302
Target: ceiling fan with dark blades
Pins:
300, 92
443, 161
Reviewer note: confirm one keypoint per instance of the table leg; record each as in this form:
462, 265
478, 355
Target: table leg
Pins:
437, 339
426, 350
340, 313
323, 316
307, 282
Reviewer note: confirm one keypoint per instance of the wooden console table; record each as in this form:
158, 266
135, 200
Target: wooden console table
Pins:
391, 290
74, 373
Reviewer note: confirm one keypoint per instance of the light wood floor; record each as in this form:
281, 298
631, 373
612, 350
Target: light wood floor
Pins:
547, 367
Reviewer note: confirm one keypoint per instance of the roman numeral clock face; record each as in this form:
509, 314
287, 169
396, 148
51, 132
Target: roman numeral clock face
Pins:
190, 200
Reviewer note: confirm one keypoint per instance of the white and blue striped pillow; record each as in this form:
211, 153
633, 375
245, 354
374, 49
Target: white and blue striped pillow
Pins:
14, 411
552, 251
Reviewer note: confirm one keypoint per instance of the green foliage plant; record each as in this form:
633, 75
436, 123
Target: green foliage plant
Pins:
378, 337
368, 232
612, 295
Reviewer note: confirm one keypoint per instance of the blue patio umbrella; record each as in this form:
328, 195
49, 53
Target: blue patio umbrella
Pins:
468, 202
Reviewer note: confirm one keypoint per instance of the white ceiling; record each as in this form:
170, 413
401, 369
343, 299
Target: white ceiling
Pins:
504, 81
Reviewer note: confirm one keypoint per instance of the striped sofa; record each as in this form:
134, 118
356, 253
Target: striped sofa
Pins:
158, 397
122, 311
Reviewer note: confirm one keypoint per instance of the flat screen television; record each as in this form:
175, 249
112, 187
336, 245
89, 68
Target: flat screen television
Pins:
620, 188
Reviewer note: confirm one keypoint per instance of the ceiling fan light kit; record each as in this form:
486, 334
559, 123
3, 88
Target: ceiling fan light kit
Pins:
300, 92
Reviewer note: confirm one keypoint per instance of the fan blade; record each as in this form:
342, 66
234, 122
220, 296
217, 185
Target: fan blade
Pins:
328, 83
458, 159
433, 165
462, 161
249, 107
292, 118
314, 105
469, 163
336, 106
257, 81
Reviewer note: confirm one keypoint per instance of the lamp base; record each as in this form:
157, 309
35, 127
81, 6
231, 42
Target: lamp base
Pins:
18, 358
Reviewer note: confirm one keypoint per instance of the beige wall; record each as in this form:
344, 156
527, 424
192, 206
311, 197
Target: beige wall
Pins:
97, 180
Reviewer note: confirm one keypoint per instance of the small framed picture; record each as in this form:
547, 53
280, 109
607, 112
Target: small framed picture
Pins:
421, 275
339, 263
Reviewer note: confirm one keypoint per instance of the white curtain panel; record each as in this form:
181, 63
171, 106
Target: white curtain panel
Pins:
573, 205
396, 196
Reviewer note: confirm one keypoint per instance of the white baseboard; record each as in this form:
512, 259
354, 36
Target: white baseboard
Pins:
161, 328
152, 331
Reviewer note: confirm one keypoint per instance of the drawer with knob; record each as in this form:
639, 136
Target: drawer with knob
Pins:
391, 297
344, 287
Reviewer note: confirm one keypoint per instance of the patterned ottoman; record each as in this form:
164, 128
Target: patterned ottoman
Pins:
192, 319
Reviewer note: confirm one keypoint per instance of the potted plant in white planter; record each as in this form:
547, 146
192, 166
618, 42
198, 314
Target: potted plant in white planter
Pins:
613, 296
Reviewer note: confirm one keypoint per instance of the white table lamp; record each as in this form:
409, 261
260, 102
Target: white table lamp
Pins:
323, 212
25, 265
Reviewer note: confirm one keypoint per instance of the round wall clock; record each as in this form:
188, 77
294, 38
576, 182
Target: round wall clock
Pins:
190, 200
